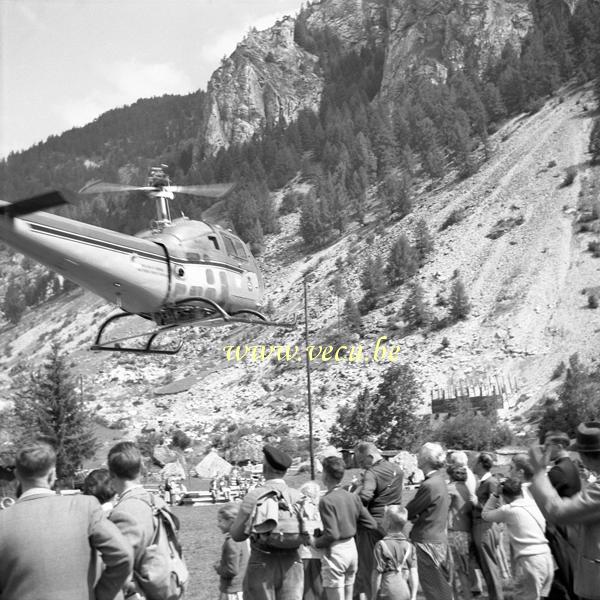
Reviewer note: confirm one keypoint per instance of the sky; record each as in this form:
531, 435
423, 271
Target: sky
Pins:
65, 62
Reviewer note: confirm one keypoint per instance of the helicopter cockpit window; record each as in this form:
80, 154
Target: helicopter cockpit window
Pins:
234, 248
239, 249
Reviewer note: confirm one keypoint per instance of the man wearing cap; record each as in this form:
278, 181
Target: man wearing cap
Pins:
564, 474
272, 574
582, 510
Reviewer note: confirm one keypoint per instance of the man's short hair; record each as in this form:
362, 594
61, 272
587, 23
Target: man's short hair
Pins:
511, 488
486, 460
35, 460
434, 454
458, 458
394, 518
366, 448
521, 461
97, 483
125, 460
334, 467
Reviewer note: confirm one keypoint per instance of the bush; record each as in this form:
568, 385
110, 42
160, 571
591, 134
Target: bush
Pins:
569, 177
592, 301
578, 400
471, 431
456, 216
559, 370
594, 248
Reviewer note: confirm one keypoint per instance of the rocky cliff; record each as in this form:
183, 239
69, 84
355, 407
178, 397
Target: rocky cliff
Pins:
433, 37
267, 77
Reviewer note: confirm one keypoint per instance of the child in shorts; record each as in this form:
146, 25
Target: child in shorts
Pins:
234, 556
341, 514
395, 576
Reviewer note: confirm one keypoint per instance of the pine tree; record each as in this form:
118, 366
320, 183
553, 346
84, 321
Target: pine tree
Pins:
14, 304
423, 242
594, 146
493, 102
402, 262
415, 311
50, 408
352, 316
373, 282
396, 192
459, 301
353, 422
309, 225
394, 416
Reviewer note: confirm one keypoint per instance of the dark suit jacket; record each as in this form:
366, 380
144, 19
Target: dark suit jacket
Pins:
564, 476
382, 485
48, 547
429, 510
484, 490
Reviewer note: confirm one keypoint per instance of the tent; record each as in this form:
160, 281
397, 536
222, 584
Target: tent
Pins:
212, 465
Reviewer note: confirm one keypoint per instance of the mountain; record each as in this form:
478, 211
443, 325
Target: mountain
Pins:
269, 76
460, 104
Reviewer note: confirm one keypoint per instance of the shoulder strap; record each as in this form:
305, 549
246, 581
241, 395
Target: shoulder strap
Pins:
535, 518
387, 553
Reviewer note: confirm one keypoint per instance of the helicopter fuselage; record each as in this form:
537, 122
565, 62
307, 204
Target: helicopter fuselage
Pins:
147, 273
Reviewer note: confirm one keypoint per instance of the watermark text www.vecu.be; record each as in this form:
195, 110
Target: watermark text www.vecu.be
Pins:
351, 353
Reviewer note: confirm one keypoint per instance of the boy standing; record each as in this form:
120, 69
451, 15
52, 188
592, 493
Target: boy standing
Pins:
234, 556
341, 512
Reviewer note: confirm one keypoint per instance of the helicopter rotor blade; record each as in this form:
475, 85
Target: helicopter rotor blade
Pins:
213, 190
33, 204
99, 187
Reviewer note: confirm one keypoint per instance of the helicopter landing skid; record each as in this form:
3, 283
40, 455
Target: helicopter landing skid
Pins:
216, 318
116, 344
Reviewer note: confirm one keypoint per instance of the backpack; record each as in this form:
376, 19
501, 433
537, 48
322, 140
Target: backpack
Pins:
278, 523
161, 572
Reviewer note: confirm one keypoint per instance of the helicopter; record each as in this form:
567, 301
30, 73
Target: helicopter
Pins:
178, 272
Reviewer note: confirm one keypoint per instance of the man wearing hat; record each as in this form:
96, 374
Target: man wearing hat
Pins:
582, 510
564, 476
272, 574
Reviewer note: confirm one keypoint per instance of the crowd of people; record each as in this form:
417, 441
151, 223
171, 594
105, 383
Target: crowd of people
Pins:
356, 541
